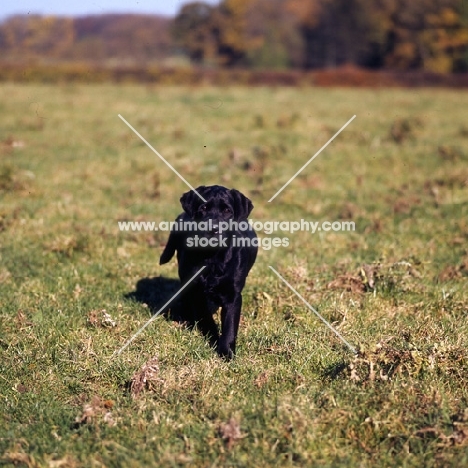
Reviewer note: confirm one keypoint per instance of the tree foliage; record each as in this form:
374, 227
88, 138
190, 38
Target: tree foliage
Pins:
35, 35
429, 35
400, 34
135, 37
217, 34
275, 38
194, 30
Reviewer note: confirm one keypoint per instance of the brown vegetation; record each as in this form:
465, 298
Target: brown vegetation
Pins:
340, 77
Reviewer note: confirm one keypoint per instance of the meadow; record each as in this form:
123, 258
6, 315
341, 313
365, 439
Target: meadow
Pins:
73, 288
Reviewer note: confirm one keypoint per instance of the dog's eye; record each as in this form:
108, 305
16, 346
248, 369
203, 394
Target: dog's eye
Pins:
203, 208
227, 210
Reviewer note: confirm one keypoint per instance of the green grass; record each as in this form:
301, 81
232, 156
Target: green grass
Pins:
294, 396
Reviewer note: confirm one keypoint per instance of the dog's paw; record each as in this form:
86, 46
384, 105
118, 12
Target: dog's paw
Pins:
225, 351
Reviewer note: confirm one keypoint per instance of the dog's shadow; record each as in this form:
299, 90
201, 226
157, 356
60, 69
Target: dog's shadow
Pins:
155, 293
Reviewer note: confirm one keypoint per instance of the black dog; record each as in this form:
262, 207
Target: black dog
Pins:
227, 255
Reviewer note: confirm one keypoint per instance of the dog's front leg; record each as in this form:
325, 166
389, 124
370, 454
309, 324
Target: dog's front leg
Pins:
230, 318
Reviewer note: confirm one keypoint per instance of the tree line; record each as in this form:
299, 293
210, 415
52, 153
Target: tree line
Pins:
429, 35
132, 38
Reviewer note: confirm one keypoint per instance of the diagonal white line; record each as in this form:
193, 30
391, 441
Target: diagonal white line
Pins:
353, 350
157, 154
117, 353
312, 158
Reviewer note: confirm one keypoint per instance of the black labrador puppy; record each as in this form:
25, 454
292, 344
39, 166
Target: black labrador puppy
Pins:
219, 243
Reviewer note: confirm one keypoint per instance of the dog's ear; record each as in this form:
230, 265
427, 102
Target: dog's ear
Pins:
190, 201
242, 205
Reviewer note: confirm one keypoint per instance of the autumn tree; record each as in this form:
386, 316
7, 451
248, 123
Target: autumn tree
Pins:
423, 34
336, 32
232, 40
30, 36
398, 34
214, 34
100, 37
195, 31
275, 40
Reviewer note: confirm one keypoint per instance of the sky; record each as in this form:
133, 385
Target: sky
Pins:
85, 7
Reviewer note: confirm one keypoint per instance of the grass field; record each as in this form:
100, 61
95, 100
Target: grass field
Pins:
396, 288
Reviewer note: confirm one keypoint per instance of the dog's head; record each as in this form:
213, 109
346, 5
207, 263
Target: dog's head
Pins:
221, 204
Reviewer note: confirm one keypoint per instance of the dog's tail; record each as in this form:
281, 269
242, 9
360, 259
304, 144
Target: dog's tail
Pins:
170, 248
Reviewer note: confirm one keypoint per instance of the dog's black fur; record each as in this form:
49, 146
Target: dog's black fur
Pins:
221, 282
